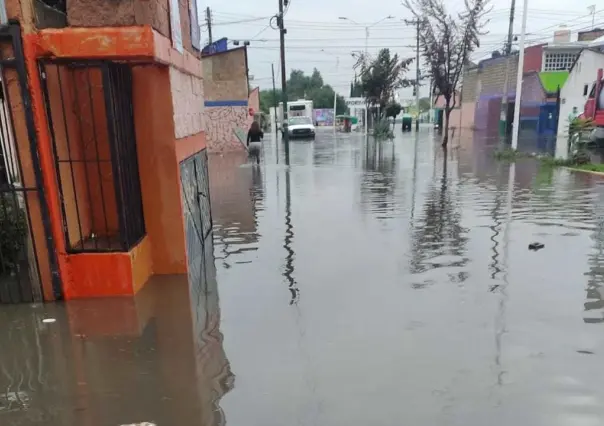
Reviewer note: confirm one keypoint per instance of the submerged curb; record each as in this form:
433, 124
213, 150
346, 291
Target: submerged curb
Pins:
574, 169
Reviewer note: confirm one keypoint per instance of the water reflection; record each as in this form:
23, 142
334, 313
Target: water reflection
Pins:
439, 240
116, 361
379, 179
237, 196
594, 304
287, 243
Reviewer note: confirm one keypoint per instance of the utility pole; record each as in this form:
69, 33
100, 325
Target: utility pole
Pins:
282, 32
592, 10
276, 106
417, 23
503, 114
209, 23
519, 79
417, 78
431, 117
508, 47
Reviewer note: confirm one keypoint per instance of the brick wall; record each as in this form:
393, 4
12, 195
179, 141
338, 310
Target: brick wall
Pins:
156, 13
470, 85
187, 102
492, 75
533, 58
591, 34
225, 75
467, 112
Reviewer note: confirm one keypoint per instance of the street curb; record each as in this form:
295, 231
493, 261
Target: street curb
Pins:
573, 169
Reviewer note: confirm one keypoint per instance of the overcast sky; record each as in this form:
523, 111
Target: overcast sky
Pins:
316, 36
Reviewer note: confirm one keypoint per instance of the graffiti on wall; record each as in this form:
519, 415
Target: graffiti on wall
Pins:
324, 116
223, 124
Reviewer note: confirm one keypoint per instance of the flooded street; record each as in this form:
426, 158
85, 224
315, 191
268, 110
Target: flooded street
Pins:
382, 283
368, 283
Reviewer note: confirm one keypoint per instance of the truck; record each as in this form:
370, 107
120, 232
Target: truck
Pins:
594, 107
299, 108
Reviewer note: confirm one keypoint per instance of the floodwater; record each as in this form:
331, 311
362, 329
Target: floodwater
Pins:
367, 283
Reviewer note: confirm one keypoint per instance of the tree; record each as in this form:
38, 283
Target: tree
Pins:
446, 42
393, 109
424, 104
380, 77
267, 99
301, 86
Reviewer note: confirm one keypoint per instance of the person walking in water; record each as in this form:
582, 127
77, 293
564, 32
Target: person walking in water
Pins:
254, 141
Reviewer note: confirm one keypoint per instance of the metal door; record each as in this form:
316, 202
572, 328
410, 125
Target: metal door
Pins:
196, 205
24, 221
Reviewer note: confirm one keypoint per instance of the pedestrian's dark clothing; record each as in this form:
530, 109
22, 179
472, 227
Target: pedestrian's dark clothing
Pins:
254, 145
254, 136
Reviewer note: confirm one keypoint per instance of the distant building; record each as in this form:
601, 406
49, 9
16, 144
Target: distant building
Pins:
228, 113
590, 35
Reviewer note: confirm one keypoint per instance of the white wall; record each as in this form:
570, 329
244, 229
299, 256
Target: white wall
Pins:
571, 95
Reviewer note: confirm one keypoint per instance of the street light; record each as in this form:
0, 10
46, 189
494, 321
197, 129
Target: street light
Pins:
344, 18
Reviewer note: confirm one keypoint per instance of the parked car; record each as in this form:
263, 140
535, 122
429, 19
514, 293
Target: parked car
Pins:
301, 128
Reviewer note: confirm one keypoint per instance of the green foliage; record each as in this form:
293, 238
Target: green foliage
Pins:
393, 109
510, 155
424, 104
579, 160
13, 229
590, 167
301, 86
382, 76
356, 89
383, 130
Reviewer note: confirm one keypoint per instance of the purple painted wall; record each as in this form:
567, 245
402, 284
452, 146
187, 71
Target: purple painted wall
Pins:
488, 107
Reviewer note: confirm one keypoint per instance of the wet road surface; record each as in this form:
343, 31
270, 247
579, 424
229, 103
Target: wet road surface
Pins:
368, 283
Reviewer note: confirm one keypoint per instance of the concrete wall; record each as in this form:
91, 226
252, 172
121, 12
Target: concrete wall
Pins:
222, 125
225, 75
101, 13
571, 94
254, 100
590, 35
188, 103
227, 99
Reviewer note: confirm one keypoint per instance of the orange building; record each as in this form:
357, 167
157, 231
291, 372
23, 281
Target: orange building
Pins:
103, 166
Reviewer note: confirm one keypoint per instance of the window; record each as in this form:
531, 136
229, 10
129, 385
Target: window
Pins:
94, 143
299, 120
559, 61
585, 89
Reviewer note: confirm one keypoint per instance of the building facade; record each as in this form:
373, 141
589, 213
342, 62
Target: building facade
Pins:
575, 92
227, 92
106, 105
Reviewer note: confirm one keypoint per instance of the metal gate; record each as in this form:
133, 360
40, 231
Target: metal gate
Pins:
23, 206
198, 218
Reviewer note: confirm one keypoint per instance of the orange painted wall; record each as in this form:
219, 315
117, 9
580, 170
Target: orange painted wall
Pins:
109, 274
141, 258
163, 251
158, 165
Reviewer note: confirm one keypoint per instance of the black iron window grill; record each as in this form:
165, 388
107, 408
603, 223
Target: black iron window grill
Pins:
89, 108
